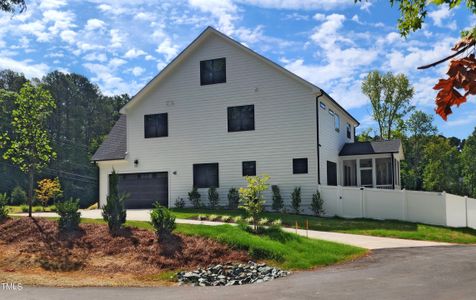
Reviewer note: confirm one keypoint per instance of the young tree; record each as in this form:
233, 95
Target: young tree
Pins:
278, 203
390, 97
251, 197
468, 163
441, 161
47, 190
28, 144
114, 212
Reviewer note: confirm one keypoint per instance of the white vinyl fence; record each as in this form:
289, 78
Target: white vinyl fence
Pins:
414, 206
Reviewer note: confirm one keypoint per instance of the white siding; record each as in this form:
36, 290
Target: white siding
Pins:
285, 125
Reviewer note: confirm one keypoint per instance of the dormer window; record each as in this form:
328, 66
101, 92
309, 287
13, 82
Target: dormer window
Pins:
212, 71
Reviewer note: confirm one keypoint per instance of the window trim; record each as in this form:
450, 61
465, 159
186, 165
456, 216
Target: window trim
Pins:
243, 167
202, 83
166, 122
228, 111
295, 160
206, 164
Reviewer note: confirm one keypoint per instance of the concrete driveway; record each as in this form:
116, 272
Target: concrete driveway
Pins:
411, 273
363, 241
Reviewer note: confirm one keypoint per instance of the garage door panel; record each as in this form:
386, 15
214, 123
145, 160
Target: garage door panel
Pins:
144, 189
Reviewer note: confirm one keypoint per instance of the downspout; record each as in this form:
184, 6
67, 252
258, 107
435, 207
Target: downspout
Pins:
318, 144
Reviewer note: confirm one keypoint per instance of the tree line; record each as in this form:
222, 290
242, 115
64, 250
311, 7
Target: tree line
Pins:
432, 162
81, 118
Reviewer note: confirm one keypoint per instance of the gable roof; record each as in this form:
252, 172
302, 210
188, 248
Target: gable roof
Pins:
362, 148
196, 42
114, 146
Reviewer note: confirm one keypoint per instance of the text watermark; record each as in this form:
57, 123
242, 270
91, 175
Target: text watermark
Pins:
11, 286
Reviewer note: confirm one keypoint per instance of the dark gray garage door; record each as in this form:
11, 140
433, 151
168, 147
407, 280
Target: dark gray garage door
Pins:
144, 189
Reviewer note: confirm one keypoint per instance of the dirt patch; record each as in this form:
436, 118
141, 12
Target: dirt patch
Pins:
36, 252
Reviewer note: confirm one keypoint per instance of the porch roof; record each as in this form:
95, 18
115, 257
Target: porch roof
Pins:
374, 147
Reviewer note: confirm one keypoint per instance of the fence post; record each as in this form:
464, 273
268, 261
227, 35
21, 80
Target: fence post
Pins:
466, 209
405, 204
339, 198
364, 204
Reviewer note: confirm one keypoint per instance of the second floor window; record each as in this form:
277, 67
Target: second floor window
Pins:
349, 131
212, 71
156, 125
241, 118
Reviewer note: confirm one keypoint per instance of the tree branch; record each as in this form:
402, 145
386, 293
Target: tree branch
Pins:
446, 58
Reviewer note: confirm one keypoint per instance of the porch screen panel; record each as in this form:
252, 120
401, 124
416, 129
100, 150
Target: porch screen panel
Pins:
384, 171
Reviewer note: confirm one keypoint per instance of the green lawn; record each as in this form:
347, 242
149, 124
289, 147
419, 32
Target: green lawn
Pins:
19, 209
397, 229
286, 250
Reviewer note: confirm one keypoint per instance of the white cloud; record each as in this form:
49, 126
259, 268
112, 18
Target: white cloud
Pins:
440, 17
137, 71
26, 67
168, 49
116, 38
101, 57
299, 4
116, 62
133, 53
52, 4
143, 16
62, 20
319, 17
68, 36
223, 10
326, 34
94, 24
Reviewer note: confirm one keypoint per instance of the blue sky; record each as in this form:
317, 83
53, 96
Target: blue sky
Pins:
122, 44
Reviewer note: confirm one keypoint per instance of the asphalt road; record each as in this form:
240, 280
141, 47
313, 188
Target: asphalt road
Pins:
408, 273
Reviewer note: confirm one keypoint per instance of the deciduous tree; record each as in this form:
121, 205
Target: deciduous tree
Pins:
441, 161
468, 163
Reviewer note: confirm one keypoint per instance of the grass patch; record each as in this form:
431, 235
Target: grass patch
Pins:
286, 250
17, 209
387, 228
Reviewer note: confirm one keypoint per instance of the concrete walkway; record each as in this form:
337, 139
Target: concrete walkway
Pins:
363, 241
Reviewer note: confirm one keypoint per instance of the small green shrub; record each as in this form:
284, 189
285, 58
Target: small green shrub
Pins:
202, 217
24, 208
114, 212
194, 198
213, 197
3, 207
317, 204
277, 223
278, 203
296, 199
233, 198
249, 220
225, 218
38, 209
213, 217
18, 196
163, 221
69, 215
263, 222
251, 197
237, 219
179, 203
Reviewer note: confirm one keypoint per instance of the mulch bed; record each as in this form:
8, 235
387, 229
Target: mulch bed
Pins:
32, 243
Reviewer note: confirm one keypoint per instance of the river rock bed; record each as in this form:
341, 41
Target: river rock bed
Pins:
231, 274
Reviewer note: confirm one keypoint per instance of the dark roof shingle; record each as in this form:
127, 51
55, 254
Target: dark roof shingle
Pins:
114, 146
362, 148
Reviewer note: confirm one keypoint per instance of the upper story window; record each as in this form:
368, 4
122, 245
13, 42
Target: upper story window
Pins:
322, 105
349, 131
241, 118
249, 168
336, 120
212, 71
156, 125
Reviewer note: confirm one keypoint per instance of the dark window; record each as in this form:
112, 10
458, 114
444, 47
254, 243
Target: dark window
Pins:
349, 131
205, 175
241, 118
249, 168
300, 166
322, 104
331, 173
156, 125
212, 71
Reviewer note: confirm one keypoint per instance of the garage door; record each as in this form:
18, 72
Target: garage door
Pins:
144, 189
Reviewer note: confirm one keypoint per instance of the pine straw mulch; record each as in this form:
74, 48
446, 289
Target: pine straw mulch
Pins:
34, 251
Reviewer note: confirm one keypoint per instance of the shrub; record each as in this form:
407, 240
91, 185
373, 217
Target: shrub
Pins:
202, 217
24, 208
237, 219
18, 196
233, 198
38, 209
277, 223
69, 214
194, 197
114, 212
179, 202
162, 220
296, 199
251, 197
3, 207
249, 220
278, 203
317, 204
48, 190
213, 217
225, 218
263, 221
213, 197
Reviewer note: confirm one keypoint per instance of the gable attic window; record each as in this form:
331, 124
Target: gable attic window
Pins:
241, 118
156, 125
212, 71
322, 105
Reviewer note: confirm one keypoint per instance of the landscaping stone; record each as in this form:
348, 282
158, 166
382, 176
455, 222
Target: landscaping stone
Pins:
231, 274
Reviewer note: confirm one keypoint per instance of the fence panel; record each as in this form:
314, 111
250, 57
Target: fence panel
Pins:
426, 207
352, 206
455, 211
384, 204
330, 196
471, 212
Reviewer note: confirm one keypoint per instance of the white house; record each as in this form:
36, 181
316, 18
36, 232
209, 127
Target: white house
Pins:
220, 111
